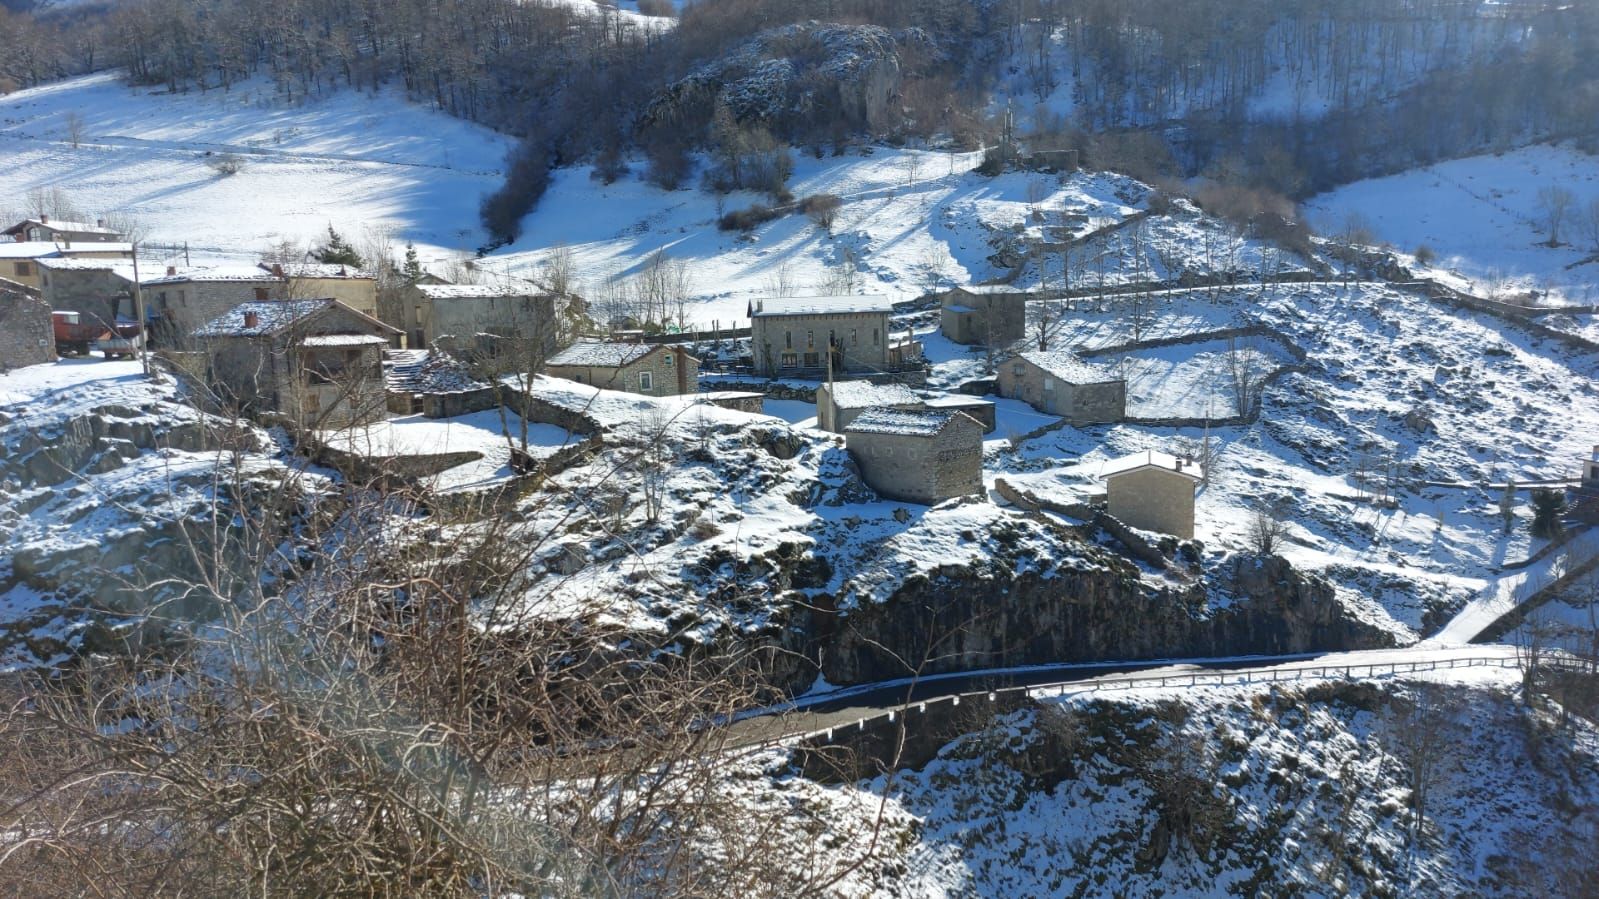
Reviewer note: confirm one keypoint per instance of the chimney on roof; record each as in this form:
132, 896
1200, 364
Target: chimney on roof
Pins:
1180, 464
99, 223
171, 270
252, 319
44, 219
277, 269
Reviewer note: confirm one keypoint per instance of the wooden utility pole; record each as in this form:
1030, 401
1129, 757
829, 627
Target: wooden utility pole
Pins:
138, 313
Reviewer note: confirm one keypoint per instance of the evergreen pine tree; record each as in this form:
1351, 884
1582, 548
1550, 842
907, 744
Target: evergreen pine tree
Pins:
413, 266
337, 251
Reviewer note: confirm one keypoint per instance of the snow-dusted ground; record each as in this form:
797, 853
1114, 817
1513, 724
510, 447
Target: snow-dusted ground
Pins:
1496, 404
1309, 789
349, 159
484, 433
1481, 216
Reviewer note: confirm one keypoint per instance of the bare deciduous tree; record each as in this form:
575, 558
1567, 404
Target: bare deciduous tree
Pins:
1554, 204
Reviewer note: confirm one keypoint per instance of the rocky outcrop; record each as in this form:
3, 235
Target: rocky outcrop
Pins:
966, 618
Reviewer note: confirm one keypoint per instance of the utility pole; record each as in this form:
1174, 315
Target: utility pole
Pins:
138, 313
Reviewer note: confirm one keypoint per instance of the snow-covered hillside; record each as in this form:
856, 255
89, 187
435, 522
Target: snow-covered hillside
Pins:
349, 159
1433, 785
1482, 217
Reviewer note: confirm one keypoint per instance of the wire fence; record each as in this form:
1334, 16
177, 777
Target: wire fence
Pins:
1186, 679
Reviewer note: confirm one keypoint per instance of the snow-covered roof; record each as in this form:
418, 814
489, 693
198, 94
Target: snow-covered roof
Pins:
991, 289
901, 423
76, 227
470, 291
602, 354
956, 401
270, 317
210, 273
28, 249
122, 268
1069, 367
427, 371
343, 340
825, 305
1152, 459
317, 270
864, 394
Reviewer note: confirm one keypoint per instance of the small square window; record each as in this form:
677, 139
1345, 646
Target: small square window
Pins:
669, 357
1049, 383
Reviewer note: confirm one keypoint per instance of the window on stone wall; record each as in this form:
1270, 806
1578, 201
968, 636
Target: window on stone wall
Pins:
669, 357
874, 337
260, 293
812, 360
854, 337
810, 339
646, 381
790, 360
1049, 383
24, 269
1018, 369
788, 340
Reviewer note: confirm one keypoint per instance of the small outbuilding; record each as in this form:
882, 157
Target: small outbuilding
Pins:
1058, 382
992, 316
650, 369
1153, 491
983, 410
838, 403
434, 384
918, 457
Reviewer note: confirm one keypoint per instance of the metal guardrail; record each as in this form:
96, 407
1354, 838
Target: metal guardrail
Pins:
1189, 679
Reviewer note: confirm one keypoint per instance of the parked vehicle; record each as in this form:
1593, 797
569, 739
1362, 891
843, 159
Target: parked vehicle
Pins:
75, 337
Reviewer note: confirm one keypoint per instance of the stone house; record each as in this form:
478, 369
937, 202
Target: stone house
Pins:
464, 311
1153, 491
179, 301
840, 402
917, 457
97, 289
26, 335
992, 316
1057, 382
58, 231
651, 369
353, 287
316, 363
19, 262
789, 336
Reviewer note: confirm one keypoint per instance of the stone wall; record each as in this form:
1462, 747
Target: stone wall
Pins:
184, 306
26, 337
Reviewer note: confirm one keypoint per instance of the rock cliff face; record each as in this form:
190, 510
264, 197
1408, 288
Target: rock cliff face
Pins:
108, 510
983, 617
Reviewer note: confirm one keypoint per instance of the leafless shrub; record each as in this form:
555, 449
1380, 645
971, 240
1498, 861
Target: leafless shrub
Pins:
822, 209
225, 164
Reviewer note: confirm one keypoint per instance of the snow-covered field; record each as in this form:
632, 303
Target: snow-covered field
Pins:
358, 162
1482, 217
484, 433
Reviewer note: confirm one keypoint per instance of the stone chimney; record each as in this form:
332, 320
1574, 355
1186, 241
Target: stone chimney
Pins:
44, 219
171, 270
252, 319
277, 270
99, 223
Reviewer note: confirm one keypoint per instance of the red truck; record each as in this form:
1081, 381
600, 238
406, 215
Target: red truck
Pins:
75, 337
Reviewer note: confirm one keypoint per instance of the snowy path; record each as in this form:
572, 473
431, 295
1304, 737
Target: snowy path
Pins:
1507, 592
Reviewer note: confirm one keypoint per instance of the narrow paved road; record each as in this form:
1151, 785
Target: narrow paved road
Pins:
845, 707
